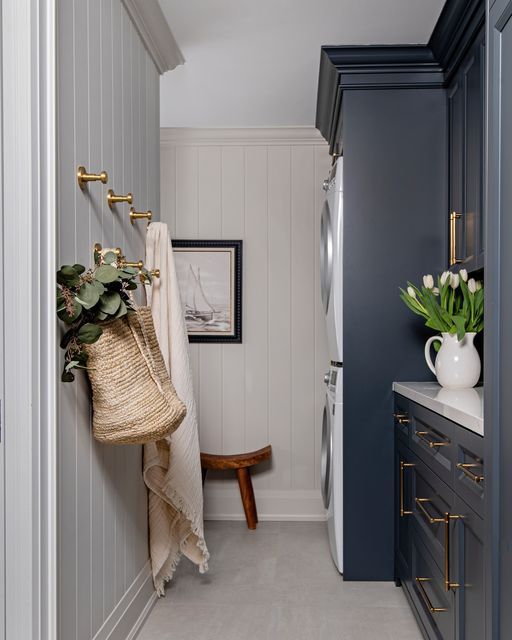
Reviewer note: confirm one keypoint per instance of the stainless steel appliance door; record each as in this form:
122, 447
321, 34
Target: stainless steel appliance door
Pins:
326, 255
326, 454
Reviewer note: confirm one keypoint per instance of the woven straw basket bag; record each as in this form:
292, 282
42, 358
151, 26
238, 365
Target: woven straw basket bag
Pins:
134, 400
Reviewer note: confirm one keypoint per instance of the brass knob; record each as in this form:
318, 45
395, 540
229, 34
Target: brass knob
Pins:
82, 177
139, 215
114, 198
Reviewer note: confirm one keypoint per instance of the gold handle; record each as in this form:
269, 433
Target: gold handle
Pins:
403, 466
431, 443
465, 468
402, 418
426, 599
447, 582
113, 198
454, 216
82, 177
139, 215
432, 519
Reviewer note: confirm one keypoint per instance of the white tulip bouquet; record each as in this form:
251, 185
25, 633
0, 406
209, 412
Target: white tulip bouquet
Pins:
455, 305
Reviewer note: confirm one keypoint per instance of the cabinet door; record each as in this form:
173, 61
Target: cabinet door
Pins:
403, 511
473, 82
467, 563
456, 166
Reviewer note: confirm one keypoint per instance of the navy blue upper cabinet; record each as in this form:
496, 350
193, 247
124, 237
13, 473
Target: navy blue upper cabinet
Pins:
466, 99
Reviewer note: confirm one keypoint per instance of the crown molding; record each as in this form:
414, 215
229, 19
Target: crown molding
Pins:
395, 66
152, 26
248, 136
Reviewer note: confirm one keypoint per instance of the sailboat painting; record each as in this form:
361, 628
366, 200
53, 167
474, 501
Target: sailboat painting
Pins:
210, 277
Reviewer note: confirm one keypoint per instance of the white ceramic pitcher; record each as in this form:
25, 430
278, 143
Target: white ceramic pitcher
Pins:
457, 364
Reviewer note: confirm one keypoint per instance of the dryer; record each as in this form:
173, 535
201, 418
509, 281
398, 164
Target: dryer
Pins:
331, 260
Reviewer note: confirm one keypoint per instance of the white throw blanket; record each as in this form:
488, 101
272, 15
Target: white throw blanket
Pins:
172, 467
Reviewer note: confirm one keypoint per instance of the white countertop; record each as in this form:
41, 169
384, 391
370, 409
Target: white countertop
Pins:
463, 406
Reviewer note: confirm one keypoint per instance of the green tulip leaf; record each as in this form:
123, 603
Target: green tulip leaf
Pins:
89, 333
109, 302
106, 274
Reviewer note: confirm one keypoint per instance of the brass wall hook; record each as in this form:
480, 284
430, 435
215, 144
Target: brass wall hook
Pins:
113, 198
82, 177
139, 215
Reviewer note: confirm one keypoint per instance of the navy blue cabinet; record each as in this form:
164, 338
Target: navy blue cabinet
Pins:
466, 102
439, 545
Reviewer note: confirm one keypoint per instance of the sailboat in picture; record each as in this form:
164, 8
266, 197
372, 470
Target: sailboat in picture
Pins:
197, 306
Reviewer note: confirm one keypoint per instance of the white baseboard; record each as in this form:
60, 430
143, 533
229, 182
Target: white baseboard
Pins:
299, 505
127, 618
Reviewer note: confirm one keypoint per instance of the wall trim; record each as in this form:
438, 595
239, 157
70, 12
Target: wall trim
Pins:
394, 66
274, 505
131, 611
154, 30
239, 136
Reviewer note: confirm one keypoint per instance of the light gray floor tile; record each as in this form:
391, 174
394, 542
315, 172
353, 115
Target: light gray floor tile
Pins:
275, 583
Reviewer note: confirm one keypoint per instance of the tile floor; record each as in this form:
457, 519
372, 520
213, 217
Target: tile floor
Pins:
275, 583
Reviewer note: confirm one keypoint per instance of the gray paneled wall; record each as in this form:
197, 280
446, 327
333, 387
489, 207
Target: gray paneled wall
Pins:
108, 112
265, 187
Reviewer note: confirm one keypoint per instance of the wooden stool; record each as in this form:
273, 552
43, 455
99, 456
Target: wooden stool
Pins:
242, 464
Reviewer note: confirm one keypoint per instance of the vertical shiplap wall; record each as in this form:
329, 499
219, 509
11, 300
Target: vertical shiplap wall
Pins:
108, 97
265, 187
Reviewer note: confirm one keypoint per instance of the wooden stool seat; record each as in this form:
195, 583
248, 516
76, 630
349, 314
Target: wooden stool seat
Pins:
241, 463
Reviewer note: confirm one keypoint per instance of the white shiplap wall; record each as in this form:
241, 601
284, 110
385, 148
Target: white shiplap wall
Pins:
263, 186
108, 118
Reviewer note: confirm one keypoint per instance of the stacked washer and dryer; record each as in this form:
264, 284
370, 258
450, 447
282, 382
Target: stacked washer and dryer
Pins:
331, 273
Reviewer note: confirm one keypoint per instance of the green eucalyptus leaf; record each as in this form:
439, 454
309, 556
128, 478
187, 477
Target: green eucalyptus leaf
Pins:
66, 338
122, 311
71, 365
101, 315
106, 274
79, 268
66, 317
67, 276
67, 376
109, 302
88, 295
109, 257
89, 333
99, 286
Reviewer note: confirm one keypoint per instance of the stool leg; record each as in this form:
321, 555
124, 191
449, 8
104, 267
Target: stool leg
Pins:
247, 493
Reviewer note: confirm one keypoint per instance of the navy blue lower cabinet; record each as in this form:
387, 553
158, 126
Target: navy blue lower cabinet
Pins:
439, 529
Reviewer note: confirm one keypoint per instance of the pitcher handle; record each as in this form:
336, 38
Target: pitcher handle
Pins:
428, 344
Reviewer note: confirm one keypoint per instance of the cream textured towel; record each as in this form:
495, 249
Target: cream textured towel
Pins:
172, 467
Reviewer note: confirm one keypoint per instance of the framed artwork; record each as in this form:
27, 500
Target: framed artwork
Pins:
210, 280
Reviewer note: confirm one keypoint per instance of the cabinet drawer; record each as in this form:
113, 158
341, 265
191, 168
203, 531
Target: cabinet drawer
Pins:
469, 480
435, 605
431, 438
432, 500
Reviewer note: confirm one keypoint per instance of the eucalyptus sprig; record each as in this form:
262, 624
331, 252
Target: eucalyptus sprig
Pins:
455, 306
88, 297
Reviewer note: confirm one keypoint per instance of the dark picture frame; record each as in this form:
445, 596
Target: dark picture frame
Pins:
210, 280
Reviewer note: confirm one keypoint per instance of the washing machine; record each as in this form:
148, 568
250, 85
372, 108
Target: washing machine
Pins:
332, 462
331, 260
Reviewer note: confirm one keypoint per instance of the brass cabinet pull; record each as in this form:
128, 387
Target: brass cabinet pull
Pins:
420, 503
82, 177
465, 468
139, 215
403, 466
431, 443
448, 584
454, 216
402, 418
426, 599
113, 198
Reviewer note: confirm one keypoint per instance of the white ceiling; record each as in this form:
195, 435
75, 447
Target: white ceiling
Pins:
253, 63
